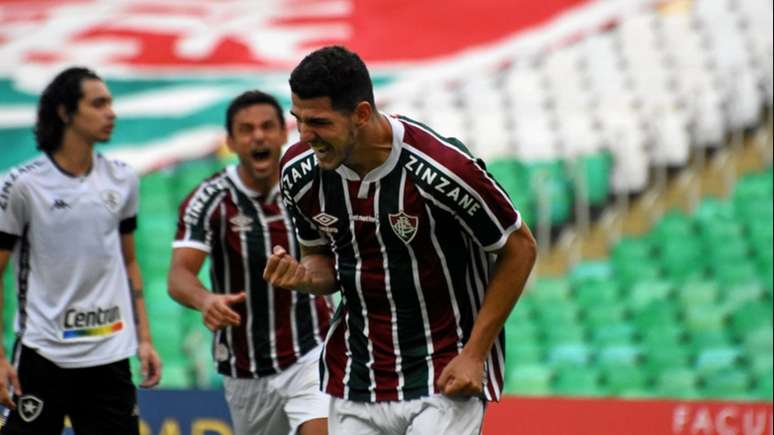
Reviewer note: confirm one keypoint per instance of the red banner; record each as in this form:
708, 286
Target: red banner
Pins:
565, 416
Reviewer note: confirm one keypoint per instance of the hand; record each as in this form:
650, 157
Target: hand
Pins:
462, 377
8, 375
282, 270
217, 313
150, 365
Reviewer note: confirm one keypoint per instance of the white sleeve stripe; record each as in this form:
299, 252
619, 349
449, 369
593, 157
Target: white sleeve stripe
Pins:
191, 244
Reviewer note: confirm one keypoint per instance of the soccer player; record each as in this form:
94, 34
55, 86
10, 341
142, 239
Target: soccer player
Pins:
67, 219
428, 250
267, 339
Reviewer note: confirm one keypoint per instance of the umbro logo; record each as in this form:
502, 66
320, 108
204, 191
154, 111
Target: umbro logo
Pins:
241, 223
326, 220
59, 204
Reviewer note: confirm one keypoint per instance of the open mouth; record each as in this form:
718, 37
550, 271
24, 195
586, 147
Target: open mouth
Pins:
259, 155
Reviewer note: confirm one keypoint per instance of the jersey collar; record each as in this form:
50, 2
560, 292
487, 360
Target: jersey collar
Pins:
385, 168
232, 173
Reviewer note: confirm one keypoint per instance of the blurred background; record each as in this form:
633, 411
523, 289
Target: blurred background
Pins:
635, 136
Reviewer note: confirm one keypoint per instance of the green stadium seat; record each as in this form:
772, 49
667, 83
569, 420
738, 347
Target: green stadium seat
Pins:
760, 364
529, 380
629, 249
624, 380
664, 335
591, 271
751, 316
570, 354
547, 290
595, 169
759, 340
596, 293
714, 359
631, 274
551, 178
618, 356
705, 317
647, 291
559, 334
577, 381
523, 353
704, 339
762, 389
731, 383
512, 176
600, 315
614, 334
659, 359
550, 313
702, 292
654, 314
677, 383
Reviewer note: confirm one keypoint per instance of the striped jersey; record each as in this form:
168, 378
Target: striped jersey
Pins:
74, 303
413, 243
238, 227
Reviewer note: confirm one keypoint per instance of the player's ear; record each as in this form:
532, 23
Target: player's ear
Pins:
63, 115
230, 142
362, 113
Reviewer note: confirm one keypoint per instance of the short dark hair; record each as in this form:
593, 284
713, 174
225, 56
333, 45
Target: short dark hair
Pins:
250, 98
333, 72
65, 90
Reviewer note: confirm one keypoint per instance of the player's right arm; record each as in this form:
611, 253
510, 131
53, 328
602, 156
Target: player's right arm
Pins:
315, 273
185, 287
8, 376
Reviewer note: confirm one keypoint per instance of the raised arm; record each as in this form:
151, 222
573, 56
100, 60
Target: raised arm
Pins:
150, 363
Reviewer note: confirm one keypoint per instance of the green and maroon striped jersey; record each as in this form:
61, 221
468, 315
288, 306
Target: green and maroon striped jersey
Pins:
413, 242
238, 228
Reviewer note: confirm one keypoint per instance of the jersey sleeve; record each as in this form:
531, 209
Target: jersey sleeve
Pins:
13, 207
463, 187
197, 219
307, 232
298, 173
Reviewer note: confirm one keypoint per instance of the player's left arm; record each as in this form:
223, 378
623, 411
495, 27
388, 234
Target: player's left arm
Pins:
463, 375
150, 362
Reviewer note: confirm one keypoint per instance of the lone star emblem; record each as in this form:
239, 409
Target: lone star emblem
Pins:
30, 407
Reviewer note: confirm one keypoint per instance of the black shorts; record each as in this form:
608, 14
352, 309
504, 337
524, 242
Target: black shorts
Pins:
99, 400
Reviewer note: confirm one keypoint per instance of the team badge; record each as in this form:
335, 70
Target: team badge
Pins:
404, 226
221, 352
241, 223
30, 407
111, 199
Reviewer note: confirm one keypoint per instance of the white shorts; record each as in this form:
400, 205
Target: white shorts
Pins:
434, 415
277, 404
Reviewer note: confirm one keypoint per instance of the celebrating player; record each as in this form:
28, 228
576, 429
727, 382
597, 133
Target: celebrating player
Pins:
429, 252
267, 339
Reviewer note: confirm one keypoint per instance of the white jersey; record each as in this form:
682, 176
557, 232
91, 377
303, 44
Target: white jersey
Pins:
74, 301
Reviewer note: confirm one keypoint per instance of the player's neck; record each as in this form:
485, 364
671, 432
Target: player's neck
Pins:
374, 145
75, 156
262, 186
